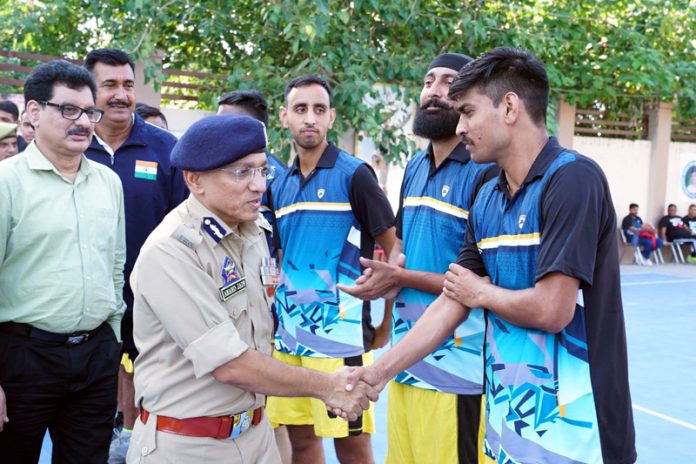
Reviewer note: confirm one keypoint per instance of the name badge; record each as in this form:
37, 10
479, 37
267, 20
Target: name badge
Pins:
230, 290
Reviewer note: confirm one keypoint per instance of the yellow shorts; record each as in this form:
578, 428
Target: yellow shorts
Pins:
423, 426
310, 411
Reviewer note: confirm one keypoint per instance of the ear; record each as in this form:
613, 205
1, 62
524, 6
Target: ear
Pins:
332, 113
513, 107
194, 182
33, 109
283, 117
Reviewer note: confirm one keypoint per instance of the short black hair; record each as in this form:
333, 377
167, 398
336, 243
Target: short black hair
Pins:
109, 56
39, 85
503, 70
306, 80
633, 205
9, 107
671, 205
146, 111
251, 100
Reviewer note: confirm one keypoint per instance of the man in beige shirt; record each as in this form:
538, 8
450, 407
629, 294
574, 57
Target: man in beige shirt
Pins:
203, 286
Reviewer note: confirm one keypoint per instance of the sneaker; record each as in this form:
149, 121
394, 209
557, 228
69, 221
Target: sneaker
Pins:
119, 448
691, 259
647, 262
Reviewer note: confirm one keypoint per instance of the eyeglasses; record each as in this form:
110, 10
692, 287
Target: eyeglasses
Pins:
247, 174
74, 113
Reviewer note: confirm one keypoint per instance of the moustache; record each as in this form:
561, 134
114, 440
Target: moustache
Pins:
79, 131
436, 103
118, 104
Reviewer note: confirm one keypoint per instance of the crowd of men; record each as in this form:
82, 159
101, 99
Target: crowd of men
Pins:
210, 293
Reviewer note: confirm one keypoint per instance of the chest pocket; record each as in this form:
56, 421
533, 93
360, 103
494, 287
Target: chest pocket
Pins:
237, 304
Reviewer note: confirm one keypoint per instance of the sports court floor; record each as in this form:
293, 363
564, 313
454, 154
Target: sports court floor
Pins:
660, 310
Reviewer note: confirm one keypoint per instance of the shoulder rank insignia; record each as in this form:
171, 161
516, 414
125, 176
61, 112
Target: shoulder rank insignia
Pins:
188, 234
213, 228
232, 281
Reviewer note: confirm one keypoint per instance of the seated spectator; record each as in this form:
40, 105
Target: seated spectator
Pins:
671, 227
152, 115
640, 234
8, 140
690, 219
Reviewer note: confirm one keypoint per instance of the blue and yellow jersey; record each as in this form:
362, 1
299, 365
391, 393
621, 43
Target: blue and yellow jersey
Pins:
433, 217
543, 394
325, 222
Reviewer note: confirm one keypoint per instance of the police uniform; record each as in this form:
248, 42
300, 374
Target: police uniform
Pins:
200, 303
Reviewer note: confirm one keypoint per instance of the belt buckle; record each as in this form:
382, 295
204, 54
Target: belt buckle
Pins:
240, 424
76, 339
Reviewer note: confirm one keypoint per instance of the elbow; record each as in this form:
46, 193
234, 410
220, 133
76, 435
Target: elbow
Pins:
555, 319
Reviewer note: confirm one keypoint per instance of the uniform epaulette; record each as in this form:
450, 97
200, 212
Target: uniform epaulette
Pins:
188, 232
264, 224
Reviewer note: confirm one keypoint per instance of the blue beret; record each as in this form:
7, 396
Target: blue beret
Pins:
215, 141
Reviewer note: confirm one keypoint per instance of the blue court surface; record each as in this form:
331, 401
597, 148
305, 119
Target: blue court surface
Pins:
660, 310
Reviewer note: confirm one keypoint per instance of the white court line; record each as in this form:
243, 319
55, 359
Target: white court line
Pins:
657, 282
664, 417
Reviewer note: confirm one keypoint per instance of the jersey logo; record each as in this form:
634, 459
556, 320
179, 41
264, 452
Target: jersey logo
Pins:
521, 219
320, 193
445, 190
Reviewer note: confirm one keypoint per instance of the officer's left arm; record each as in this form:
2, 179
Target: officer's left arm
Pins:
114, 319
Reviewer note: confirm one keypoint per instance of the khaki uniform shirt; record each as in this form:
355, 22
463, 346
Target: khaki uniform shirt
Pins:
192, 313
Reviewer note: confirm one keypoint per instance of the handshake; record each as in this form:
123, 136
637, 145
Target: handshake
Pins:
351, 390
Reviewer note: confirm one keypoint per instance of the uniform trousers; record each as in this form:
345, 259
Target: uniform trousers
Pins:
68, 389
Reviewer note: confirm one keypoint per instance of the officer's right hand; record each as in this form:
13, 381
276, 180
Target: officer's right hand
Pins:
349, 404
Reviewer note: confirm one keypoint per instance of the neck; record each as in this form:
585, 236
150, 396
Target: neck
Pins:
66, 163
443, 148
114, 134
309, 157
520, 156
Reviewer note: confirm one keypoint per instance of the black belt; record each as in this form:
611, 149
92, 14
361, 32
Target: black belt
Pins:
27, 330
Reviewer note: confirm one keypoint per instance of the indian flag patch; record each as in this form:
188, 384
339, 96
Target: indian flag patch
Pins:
146, 170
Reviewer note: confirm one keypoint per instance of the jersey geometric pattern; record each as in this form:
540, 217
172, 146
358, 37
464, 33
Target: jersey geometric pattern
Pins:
539, 399
320, 238
435, 210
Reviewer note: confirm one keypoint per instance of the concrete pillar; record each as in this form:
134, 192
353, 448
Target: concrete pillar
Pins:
565, 122
659, 134
145, 91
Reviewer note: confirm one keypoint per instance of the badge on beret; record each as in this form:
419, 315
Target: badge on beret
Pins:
232, 281
213, 228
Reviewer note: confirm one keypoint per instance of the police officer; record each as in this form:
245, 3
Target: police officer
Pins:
203, 286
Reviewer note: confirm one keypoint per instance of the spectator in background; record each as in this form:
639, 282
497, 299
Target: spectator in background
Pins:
640, 234
10, 113
26, 128
8, 140
690, 219
139, 153
152, 115
671, 227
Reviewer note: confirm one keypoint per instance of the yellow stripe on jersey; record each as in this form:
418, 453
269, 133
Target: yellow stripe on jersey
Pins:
438, 205
312, 206
510, 240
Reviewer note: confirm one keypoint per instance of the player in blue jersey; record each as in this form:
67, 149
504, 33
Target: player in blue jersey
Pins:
541, 257
329, 210
444, 389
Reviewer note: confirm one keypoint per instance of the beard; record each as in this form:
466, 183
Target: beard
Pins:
438, 126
